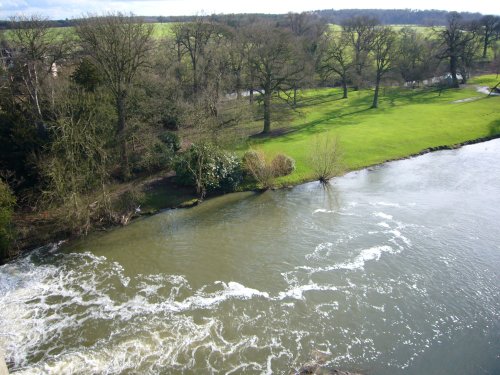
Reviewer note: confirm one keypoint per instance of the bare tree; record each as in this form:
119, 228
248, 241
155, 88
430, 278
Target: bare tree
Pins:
489, 25
361, 31
274, 61
36, 51
454, 39
308, 30
335, 58
237, 53
119, 45
383, 54
468, 56
193, 39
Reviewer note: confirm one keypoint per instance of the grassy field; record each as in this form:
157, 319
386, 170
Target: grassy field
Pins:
489, 80
161, 30
407, 122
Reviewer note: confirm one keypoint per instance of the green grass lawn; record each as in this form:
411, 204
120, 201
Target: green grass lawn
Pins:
407, 122
489, 80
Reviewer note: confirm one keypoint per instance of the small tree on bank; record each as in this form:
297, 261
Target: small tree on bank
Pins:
326, 159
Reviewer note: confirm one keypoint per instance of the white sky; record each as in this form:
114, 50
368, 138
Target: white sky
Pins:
60, 9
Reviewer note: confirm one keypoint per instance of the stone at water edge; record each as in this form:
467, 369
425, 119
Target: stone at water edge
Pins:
3, 365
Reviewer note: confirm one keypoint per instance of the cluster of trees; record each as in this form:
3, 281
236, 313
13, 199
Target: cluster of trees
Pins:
385, 16
365, 52
82, 109
394, 16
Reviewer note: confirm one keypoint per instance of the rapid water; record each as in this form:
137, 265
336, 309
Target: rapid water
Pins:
390, 270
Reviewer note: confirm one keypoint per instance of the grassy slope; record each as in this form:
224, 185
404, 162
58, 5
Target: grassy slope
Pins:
407, 122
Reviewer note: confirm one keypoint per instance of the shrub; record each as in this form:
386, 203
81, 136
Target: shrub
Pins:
326, 160
7, 202
282, 165
255, 164
208, 168
264, 172
170, 121
171, 140
155, 157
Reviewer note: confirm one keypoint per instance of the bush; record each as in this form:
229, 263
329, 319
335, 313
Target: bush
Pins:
171, 140
170, 121
263, 172
155, 157
282, 165
255, 164
208, 168
326, 160
7, 202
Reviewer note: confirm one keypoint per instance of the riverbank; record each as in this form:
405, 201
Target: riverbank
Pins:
39, 230
407, 124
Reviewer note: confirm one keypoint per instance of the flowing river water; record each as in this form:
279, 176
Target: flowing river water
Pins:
390, 270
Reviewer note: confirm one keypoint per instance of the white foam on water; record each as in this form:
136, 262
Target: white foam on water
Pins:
397, 234
372, 253
322, 210
297, 292
231, 290
321, 251
41, 303
386, 204
383, 224
383, 215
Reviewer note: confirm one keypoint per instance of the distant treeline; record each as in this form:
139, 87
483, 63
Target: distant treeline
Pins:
394, 16
385, 16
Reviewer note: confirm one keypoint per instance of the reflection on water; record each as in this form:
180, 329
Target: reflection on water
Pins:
390, 270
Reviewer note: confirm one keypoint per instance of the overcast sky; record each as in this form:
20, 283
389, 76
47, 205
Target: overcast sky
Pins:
60, 9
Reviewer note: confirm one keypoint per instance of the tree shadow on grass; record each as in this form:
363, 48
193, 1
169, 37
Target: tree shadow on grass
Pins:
359, 103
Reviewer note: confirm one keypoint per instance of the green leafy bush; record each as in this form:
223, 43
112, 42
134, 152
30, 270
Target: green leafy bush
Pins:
208, 168
153, 158
87, 75
171, 140
7, 202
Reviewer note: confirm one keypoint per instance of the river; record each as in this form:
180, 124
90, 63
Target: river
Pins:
393, 269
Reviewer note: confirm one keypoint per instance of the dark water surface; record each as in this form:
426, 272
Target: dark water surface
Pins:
392, 270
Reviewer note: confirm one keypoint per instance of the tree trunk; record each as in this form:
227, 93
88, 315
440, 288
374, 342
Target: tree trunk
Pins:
453, 71
120, 132
375, 96
238, 85
267, 112
485, 46
294, 96
344, 87
195, 80
251, 96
